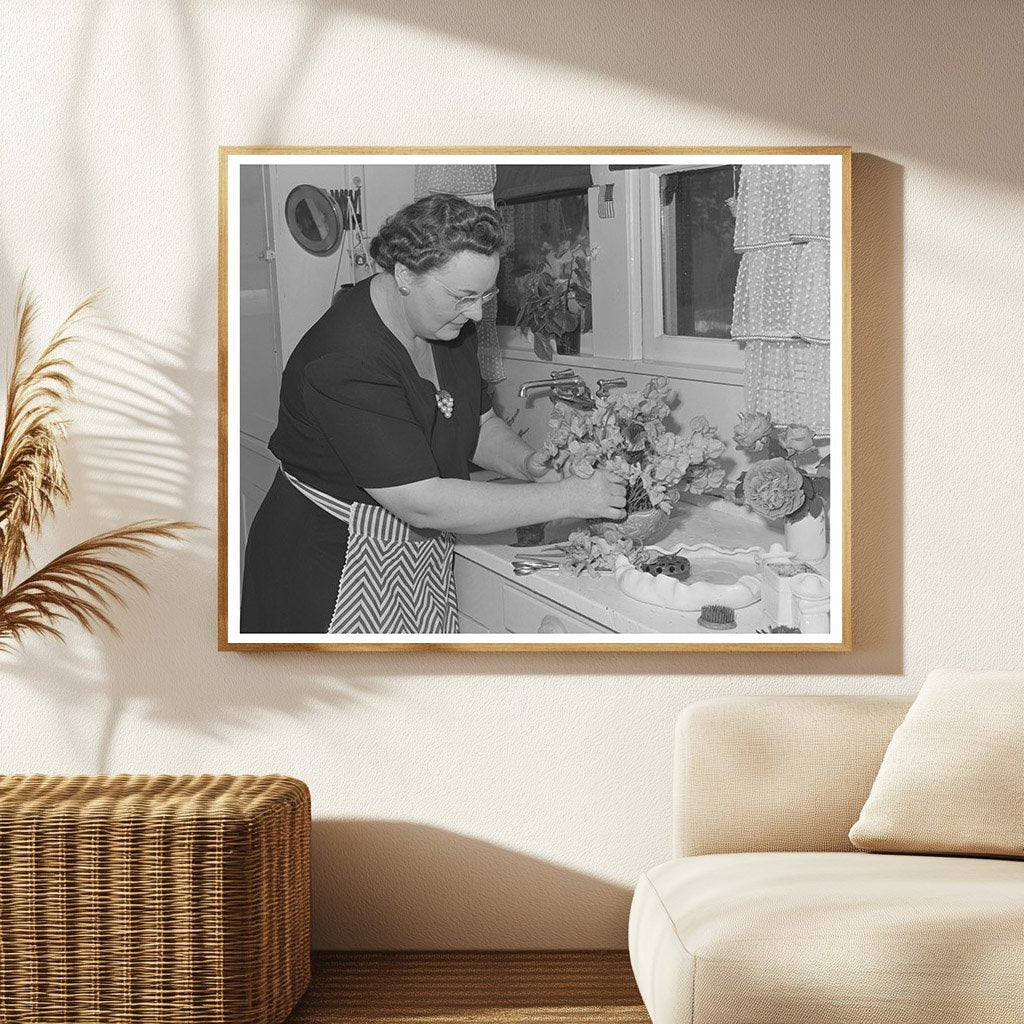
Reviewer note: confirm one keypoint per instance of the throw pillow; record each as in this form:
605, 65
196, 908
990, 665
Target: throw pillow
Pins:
951, 780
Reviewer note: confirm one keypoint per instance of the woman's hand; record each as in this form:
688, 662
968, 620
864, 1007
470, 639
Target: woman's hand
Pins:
539, 469
601, 496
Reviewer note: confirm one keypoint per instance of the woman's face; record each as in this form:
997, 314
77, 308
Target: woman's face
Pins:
440, 301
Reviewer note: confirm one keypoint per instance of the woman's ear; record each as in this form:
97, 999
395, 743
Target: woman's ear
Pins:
403, 278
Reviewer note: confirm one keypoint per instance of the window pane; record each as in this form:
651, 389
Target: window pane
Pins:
537, 229
699, 265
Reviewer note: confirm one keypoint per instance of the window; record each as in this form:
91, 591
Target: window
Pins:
544, 280
689, 265
537, 229
663, 271
698, 263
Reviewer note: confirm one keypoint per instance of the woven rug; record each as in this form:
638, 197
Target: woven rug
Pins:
467, 988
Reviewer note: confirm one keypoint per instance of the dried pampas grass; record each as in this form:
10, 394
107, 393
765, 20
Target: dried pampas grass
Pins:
81, 584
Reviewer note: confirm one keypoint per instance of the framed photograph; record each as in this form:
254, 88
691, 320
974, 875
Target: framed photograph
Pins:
507, 399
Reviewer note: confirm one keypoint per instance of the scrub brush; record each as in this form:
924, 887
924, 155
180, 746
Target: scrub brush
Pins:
717, 616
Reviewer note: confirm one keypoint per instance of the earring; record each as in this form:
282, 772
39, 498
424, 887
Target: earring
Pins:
402, 290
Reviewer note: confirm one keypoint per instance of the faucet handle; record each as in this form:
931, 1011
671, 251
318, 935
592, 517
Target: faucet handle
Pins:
566, 374
604, 386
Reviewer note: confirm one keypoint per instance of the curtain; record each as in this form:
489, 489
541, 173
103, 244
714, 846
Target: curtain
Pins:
519, 182
475, 183
782, 302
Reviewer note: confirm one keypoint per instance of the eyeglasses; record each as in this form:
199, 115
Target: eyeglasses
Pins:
464, 302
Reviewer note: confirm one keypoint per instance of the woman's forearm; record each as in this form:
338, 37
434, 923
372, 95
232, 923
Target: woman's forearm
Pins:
464, 506
500, 449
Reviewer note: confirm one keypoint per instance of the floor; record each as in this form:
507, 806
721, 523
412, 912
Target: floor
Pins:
472, 988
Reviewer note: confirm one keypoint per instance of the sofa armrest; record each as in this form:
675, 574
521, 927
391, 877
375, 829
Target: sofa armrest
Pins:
777, 773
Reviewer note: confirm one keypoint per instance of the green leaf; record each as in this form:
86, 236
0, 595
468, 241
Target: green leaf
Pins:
565, 321
823, 487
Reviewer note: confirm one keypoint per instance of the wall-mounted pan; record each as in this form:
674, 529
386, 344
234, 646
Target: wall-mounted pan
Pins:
314, 219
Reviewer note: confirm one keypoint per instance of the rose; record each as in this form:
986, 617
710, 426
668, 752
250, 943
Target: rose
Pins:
798, 439
774, 487
751, 430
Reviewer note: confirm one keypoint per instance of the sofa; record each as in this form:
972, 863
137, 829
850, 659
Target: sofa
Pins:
768, 914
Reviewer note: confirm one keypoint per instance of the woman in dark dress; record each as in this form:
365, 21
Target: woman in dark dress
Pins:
382, 410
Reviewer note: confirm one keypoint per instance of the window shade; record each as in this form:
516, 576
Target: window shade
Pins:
517, 182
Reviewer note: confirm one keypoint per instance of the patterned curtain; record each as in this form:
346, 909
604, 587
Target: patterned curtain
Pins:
475, 183
782, 303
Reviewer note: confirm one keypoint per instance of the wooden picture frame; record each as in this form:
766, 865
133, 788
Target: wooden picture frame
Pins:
639, 302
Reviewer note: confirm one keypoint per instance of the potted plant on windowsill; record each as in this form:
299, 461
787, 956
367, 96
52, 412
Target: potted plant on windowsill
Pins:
555, 299
626, 433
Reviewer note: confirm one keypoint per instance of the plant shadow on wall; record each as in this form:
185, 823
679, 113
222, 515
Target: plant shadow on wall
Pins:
788, 65
405, 885
144, 438
131, 452
82, 583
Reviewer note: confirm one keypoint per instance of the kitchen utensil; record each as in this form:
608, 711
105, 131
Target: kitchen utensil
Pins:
529, 570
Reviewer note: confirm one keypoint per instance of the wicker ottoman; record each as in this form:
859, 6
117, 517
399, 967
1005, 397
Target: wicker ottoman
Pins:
143, 899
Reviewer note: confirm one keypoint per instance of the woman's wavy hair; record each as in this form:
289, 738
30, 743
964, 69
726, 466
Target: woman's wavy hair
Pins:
427, 233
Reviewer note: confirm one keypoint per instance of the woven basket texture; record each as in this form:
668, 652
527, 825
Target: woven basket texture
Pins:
142, 899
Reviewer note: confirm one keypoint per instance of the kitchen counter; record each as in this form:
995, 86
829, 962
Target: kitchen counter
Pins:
596, 604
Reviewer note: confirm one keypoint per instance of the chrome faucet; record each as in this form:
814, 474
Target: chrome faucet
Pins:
569, 387
564, 386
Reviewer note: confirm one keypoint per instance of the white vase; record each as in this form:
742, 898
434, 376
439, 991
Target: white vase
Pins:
806, 538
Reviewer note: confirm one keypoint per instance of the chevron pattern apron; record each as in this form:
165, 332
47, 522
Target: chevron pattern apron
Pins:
396, 579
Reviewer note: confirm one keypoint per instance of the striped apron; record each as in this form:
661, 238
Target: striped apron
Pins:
396, 579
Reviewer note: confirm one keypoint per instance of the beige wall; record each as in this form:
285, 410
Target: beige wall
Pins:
475, 799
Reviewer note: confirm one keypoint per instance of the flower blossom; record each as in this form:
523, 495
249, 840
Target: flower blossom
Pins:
774, 488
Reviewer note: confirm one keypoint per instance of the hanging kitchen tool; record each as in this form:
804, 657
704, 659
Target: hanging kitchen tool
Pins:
361, 263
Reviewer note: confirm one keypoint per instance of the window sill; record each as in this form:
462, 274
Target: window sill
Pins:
514, 347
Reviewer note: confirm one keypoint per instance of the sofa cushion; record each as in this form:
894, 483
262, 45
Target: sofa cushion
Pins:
950, 780
787, 938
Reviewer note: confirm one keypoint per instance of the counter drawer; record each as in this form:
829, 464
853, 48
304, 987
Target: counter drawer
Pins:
528, 613
468, 625
479, 595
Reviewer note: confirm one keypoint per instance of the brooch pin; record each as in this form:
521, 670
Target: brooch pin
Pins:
445, 403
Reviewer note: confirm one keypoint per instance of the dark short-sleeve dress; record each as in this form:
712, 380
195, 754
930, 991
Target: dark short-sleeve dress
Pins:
354, 414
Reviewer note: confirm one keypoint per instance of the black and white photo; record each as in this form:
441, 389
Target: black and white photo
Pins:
500, 400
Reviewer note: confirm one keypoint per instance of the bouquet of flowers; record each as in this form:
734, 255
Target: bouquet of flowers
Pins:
780, 484
627, 434
585, 553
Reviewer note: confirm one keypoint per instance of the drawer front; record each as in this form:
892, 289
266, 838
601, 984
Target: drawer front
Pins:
528, 613
468, 625
479, 595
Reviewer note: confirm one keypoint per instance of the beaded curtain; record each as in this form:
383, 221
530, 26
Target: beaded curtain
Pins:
475, 183
782, 302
